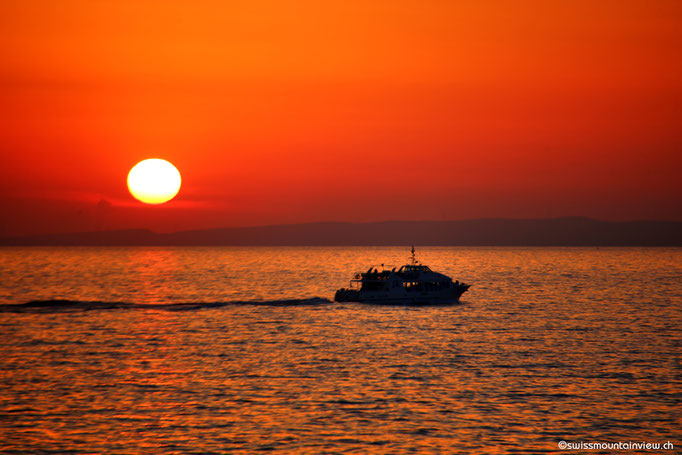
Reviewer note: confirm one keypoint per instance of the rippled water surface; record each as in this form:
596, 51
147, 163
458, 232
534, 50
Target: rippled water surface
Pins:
240, 350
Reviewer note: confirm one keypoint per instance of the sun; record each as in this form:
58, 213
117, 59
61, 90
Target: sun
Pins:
154, 181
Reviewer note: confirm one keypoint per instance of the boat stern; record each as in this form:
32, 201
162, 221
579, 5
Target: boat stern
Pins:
347, 295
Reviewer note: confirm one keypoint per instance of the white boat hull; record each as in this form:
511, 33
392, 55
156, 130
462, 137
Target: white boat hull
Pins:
451, 295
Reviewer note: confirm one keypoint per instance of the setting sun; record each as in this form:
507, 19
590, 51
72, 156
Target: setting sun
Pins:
154, 181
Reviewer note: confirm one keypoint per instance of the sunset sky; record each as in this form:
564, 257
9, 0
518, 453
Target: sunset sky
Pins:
287, 112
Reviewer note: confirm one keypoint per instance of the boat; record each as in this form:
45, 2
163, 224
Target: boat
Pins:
412, 284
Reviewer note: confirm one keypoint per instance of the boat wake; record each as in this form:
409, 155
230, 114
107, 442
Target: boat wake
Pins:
58, 305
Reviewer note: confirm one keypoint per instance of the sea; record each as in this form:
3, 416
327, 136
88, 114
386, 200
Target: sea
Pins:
136, 350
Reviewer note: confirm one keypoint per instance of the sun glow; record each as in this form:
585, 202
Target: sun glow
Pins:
154, 181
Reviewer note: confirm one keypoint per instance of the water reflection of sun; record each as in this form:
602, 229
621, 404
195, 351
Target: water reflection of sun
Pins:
153, 273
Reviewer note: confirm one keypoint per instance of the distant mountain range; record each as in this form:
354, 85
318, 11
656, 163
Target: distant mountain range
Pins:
569, 231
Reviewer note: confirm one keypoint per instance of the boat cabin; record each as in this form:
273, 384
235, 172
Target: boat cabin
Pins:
414, 269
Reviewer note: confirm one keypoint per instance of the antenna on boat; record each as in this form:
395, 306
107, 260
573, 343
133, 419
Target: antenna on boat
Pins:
412, 258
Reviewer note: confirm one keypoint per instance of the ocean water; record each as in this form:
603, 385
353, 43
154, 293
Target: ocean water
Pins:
241, 350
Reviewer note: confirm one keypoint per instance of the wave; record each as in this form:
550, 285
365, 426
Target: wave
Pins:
43, 306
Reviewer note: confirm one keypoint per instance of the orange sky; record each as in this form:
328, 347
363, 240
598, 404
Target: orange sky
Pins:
280, 112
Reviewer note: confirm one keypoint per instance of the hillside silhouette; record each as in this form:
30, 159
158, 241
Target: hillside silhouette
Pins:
569, 231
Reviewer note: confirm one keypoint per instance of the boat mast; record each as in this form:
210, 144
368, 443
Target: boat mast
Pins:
412, 258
